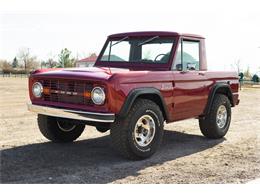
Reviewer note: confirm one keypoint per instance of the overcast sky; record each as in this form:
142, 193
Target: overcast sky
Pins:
231, 28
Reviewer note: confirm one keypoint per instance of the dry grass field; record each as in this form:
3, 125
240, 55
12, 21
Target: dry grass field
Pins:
185, 156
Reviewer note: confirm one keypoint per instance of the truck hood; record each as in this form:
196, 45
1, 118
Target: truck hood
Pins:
90, 73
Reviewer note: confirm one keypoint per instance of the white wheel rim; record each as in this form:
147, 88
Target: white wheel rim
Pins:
221, 117
65, 128
144, 130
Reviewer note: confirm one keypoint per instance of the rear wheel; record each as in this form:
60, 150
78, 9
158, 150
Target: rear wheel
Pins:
216, 124
138, 135
59, 130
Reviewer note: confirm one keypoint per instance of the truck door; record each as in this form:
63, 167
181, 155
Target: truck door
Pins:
190, 84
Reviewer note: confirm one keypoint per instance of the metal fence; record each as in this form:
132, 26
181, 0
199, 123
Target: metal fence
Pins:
14, 75
249, 82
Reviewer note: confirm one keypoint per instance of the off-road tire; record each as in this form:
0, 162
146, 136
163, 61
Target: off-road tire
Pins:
49, 128
122, 131
208, 124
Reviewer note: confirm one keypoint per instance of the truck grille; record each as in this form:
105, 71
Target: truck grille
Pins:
66, 91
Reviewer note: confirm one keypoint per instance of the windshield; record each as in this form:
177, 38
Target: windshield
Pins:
139, 50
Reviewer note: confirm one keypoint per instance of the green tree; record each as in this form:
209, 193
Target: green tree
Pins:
15, 63
255, 78
65, 59
241, 76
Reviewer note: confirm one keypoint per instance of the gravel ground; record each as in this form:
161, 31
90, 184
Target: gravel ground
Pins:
185, 156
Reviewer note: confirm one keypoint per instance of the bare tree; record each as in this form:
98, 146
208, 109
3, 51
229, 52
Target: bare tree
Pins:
32, 64
29, 62
5, 66
247, 73
24, 54
50, 62
237, 65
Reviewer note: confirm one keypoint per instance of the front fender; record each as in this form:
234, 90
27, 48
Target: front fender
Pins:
139, 92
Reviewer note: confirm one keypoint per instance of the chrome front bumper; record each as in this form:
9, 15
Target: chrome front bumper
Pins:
72, 114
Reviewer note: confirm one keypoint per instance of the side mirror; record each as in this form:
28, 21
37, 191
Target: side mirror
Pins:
191, 66
179, 67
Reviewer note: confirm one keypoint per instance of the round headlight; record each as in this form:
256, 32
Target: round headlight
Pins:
37, 89
98, 95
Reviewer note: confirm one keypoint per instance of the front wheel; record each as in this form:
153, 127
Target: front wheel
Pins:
59, 130
139, 135
216, 124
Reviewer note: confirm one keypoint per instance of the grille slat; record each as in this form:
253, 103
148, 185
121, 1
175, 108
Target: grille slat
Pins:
66, 91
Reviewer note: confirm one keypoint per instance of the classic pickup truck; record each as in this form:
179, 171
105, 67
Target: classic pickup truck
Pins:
140, 81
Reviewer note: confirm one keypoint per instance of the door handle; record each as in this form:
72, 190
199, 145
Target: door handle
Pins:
201, 73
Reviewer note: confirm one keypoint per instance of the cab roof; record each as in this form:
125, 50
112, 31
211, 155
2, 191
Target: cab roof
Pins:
153, 33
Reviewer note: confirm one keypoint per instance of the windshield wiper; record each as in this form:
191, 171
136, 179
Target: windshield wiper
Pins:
148, 40
111, 45
119, 41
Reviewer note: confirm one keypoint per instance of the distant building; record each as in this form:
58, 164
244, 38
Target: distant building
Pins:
113, 58
87, 62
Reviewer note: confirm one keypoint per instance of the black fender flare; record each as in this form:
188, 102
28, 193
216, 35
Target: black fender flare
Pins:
137, 92
226, 90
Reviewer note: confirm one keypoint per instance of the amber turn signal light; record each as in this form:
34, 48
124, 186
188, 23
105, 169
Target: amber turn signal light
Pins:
87, 94
46, 91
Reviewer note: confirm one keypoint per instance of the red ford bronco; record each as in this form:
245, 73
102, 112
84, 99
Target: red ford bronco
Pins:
139, 81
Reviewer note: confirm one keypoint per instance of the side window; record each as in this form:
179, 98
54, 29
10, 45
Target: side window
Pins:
190, 55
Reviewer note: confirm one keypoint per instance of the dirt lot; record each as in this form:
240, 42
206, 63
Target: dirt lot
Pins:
185, 156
